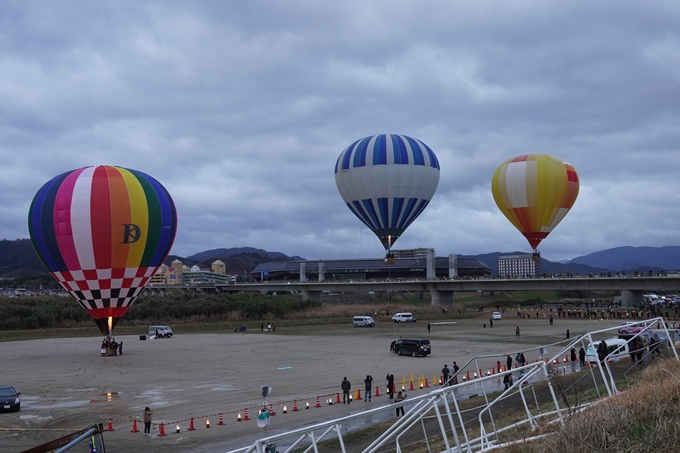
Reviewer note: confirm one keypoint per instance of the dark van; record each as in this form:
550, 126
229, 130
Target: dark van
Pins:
412, 347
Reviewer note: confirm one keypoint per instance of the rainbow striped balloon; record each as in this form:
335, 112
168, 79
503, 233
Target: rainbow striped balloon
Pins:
103, 232
535, 192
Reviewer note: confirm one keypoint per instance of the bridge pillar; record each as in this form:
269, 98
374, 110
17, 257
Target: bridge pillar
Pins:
311, 295
430, 272
630, 298
303, 272
441, 297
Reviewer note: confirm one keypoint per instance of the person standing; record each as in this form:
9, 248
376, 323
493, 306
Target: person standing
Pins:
428, 327
346, 387
491, 322
602, 351
445, 375
568, 334
517, 331
498, 366
390, 385
573, 355
147, 420
120, 348
454, 375
508, 362
368, 387
551, 320
400, 397
582, 356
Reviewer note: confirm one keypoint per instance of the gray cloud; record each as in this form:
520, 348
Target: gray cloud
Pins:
241, 110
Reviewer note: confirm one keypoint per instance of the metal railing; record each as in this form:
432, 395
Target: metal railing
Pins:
473, 429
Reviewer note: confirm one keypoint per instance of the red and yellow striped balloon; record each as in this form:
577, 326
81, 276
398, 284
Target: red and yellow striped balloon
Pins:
535, 192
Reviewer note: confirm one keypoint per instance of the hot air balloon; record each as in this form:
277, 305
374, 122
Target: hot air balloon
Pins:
387, 180
103, 232
535, 192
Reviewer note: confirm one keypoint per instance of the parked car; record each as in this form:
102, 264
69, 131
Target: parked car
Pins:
9, 399
412, 346
496, 315
160, 331
363, 321
630, 327
403, 317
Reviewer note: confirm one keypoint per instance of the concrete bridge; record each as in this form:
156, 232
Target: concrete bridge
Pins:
442, 292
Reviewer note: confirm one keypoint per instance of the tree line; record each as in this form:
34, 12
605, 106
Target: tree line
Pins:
47, 313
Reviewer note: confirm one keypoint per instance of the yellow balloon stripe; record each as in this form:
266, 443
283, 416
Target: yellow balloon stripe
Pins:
139, 216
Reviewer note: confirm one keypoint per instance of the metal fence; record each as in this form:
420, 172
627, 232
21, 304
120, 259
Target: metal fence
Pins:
448, 419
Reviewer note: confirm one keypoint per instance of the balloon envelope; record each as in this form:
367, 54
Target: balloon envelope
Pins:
535, 192
387, 180
103, 232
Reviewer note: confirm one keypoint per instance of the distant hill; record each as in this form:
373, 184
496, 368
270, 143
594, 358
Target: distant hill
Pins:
633, 258
221, 253
235, 264
17, 257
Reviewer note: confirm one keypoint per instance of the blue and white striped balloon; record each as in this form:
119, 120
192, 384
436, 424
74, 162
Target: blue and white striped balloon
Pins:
387, 180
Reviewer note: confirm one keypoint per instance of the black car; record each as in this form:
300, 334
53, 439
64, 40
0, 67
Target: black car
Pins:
412, 347
9, 399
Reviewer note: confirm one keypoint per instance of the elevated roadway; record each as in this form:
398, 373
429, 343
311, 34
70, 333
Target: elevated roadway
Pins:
443, 291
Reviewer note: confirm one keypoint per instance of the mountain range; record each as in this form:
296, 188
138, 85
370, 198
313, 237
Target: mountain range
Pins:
17, 257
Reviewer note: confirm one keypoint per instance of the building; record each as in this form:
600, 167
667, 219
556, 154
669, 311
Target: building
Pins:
179, 274
519, 265
412, 253
367, 269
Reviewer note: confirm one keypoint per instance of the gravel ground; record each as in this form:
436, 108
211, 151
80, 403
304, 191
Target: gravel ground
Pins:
66, 384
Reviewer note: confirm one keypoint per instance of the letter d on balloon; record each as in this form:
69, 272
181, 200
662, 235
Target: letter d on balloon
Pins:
131, 233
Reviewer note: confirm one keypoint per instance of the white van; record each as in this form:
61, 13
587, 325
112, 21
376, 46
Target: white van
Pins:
160, 331
613, 344
403, 317
363, 321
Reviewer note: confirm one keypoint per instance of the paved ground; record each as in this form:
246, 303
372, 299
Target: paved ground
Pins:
66, 384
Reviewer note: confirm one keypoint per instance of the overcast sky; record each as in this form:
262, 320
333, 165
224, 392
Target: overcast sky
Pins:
240, 109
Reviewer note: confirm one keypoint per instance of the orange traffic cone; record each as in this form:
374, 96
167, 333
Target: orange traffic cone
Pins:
566, 358
377, 390
162, 431
358, 395
435, 380
221, 422
493, 370
295, 408
245, 414
441, 380
191, 424
337, 399
271, 409
467, 376
318, 404
110, 428
411, 388
427, 386
134, 426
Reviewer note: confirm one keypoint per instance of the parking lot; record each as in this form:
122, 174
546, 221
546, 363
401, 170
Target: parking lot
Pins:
66, 384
